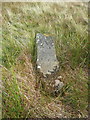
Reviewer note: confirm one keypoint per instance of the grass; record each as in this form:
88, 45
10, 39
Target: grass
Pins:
73, 93
12, 97
67, 22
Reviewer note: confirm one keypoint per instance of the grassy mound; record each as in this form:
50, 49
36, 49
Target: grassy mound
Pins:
68, 23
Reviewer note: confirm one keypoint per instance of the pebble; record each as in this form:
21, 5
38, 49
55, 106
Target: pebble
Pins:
58, 85
59, 77
38, 66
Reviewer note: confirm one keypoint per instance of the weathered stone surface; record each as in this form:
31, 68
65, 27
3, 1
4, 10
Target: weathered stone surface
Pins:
58, 85
47, 62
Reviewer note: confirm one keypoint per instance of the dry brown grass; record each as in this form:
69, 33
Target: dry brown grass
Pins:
35, 104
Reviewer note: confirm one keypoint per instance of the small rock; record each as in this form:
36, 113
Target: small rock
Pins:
59, 77
58, 85
38, 67
41, 44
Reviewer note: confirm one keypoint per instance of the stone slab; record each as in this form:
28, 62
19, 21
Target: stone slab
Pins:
47, 61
